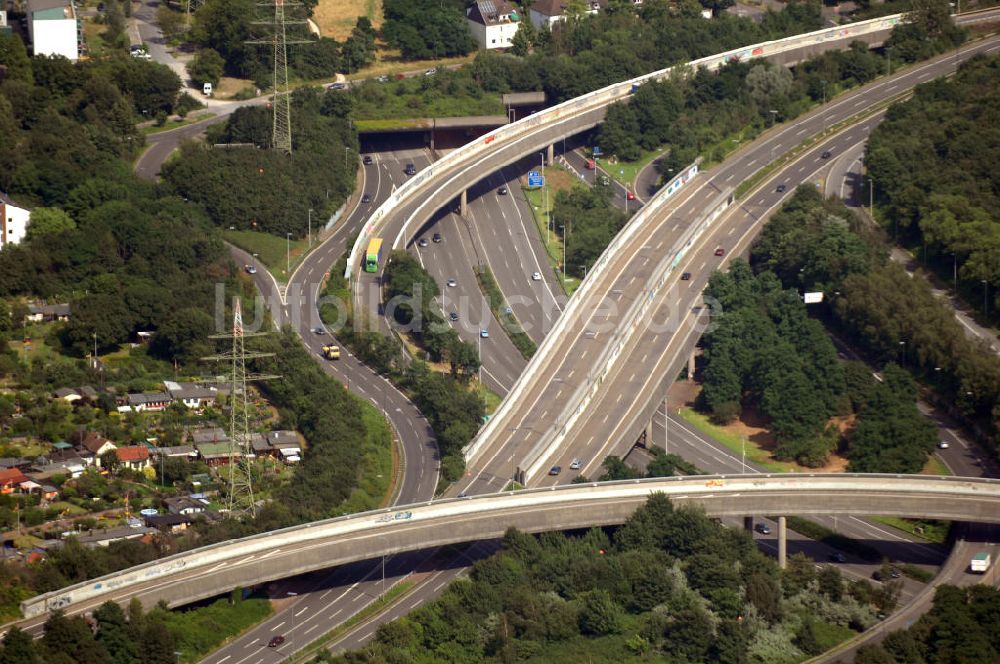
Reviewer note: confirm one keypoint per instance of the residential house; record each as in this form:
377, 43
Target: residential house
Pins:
46, 313
97, 445
83, 457
54, 28
184, 505
21, 463
147, 401
493, 23
208, 435
549, 12
11, 479
218, 454
45, 470
5, 27
13, 221
133, 457
192, 395
169, 523
105, 536
283, 445
186, 452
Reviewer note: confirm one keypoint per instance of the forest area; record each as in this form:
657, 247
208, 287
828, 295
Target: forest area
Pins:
671, 584
937, 187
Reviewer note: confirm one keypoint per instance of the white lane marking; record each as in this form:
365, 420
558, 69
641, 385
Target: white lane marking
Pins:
310, 629
278, 625
301, 611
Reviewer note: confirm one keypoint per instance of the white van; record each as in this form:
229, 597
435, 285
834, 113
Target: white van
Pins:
207, 89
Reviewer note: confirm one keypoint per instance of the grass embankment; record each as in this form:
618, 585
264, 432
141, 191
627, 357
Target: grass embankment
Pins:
422, 97
271, 250
336, 18
509, 322
202, 630
378, 470
490, 398
394, 594
174, 124
737, 444
551, 240
932, 531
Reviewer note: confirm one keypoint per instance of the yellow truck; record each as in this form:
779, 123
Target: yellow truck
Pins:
331, 352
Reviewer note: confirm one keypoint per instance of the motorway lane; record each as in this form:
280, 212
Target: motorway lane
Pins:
504, 229
544, 401
312, 609
453, 258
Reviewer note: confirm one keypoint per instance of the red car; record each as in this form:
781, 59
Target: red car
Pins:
720, 252
276, 641
629, 196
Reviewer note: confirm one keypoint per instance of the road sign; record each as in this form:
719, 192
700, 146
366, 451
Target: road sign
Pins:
596, 151
535, 180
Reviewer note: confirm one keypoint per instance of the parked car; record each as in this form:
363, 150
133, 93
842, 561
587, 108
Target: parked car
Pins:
337, 86
720, 252
275, 641
629, 196
250, 269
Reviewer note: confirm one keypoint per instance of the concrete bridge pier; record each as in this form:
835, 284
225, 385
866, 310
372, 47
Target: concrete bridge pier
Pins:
748, 523
550, 154
690, 366
463, 203
782, 543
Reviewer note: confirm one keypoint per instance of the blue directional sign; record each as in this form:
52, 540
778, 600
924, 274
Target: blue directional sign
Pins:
535, 179
596, 151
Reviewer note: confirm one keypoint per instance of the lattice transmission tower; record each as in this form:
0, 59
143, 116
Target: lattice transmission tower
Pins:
281, 138
241, 500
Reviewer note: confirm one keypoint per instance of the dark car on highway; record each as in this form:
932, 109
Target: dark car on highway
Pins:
410, 169
275, 641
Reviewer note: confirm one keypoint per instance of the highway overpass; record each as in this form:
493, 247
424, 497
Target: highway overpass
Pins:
219, 568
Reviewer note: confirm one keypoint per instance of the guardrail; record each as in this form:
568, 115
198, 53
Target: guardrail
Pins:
573, 309
589, 102
978, 498
638, 311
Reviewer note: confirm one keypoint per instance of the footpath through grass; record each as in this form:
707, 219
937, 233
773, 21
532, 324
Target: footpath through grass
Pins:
271, 250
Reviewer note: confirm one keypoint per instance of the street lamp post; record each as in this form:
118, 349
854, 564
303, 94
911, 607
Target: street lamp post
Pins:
563, 229
824, 91
954, 270
871, 197
288, 253
902, 353
986, 303
774, 116
309, 228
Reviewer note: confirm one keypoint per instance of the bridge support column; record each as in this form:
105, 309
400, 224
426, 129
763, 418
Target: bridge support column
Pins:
748, 523
782, 543
691, 366
463, 203
550, 154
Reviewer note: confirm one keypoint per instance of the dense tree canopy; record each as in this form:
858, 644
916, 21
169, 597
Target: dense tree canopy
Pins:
933, 160
426, 29
669, 585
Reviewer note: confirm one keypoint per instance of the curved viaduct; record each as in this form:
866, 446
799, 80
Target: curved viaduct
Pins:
217, 569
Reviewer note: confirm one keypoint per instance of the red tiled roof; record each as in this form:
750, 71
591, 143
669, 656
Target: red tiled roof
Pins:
132, 454
12, 476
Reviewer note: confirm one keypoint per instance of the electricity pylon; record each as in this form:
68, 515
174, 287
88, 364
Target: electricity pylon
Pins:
240, 500
281, 137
